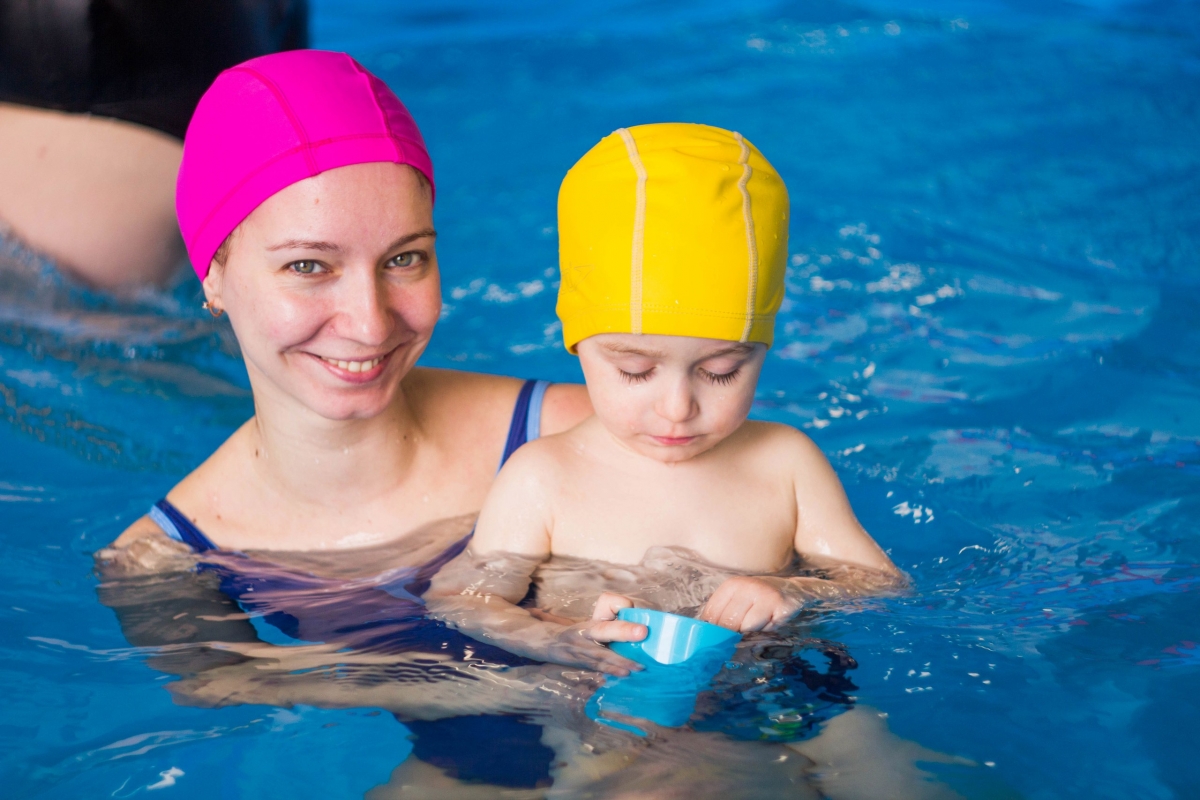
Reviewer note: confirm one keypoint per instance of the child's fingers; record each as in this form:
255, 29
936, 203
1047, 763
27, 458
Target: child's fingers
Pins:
757, 617
721, 609
613, 664
616, 631
608, 604
732, 613
590, 655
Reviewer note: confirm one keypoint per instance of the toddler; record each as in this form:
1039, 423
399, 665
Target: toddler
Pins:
673, 245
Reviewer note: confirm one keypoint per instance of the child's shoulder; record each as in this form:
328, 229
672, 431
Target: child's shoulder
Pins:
542, 458
778, 436
781, 447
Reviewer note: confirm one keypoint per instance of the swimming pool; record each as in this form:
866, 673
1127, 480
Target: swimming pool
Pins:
991, 329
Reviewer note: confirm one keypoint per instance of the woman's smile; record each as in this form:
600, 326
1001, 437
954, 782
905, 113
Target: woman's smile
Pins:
356, 371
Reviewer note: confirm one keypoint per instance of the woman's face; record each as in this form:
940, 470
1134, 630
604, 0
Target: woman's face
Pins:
332, 288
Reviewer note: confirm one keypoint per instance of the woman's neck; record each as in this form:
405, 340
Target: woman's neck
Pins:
333, 463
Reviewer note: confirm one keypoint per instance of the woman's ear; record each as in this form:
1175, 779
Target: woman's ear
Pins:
216, 272
212, 286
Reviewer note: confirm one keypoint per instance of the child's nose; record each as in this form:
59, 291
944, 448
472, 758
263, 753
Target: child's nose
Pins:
678, 402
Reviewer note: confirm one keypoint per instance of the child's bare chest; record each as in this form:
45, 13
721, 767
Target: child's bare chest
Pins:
727, 519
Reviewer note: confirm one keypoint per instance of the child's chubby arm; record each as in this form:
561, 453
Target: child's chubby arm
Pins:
478, 592
828, 537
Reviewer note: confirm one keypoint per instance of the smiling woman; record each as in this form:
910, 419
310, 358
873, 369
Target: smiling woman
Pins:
310, 223
312, 228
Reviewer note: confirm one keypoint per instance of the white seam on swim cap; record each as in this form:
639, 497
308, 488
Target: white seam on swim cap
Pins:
752, 244
639, 233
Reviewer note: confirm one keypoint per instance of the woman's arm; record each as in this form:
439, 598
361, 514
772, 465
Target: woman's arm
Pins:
412, 685
160, 602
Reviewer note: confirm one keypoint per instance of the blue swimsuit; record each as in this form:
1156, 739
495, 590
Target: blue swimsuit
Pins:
384, 614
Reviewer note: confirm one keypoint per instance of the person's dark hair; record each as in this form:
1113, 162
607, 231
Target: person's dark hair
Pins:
222, 254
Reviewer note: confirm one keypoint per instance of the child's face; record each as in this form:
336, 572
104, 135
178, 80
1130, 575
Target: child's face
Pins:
670, 398
332, 288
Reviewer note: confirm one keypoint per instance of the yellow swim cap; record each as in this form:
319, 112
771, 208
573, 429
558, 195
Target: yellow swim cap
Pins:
672, 228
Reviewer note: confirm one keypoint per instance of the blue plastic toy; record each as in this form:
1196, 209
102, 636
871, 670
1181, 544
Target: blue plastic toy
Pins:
680, 655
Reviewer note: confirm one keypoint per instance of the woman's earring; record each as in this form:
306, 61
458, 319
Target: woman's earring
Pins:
212, 309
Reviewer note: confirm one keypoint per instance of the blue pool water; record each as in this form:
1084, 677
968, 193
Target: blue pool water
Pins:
991, 330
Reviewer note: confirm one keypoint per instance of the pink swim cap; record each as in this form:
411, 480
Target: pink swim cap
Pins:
276, 120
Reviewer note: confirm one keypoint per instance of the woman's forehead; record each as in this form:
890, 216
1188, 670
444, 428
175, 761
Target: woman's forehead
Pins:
362, 205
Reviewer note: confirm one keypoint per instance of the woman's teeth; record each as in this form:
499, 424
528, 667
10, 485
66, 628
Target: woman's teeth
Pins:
354, 366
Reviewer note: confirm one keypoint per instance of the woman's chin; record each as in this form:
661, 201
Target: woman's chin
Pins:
344, 411
363, 402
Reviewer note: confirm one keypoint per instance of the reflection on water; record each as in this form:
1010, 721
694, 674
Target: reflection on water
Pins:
68, 348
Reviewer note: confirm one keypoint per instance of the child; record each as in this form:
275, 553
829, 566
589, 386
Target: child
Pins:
673, 243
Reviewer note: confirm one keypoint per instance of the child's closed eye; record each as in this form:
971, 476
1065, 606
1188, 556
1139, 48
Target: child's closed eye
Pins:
721, 378
635, 377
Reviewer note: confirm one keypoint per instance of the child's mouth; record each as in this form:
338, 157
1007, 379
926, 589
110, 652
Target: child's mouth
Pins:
674, 441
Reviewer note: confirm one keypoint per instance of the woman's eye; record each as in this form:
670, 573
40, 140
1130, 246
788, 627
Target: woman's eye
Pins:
721, 379
635, 377
305, 267
405, 260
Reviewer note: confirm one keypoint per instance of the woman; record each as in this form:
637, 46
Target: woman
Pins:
305, 198
321, 251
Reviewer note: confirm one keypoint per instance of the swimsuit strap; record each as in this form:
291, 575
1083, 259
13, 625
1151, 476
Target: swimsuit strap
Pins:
526, 422
178, 527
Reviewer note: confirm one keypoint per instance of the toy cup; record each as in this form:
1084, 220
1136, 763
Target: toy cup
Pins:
680, 656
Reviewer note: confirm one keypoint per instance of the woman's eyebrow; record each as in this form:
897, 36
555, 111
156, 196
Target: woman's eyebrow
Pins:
330, 247
306, 244
411, 237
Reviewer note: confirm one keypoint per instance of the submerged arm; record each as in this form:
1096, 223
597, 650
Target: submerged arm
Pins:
478, 593
149, 582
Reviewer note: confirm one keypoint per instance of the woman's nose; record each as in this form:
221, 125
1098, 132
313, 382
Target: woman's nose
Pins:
677, 403
366, 315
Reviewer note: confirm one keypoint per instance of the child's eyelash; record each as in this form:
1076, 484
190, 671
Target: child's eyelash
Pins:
635, 377
722, 380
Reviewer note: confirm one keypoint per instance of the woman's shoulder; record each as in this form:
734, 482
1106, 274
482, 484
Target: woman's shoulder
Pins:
430, 387
213, 478
474, 395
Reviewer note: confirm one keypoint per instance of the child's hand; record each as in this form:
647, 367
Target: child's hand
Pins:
582, 644
749, 604
607, 606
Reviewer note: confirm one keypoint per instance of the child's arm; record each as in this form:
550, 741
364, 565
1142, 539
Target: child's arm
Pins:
478, 592
828, 536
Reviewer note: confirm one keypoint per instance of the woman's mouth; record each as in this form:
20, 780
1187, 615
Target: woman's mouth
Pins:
354, 366
355, 370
